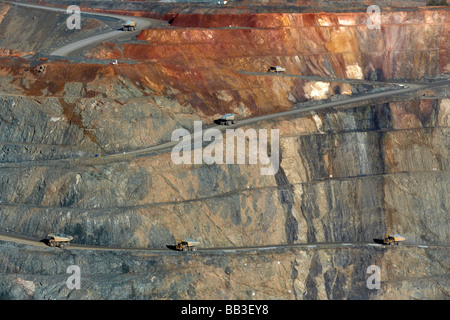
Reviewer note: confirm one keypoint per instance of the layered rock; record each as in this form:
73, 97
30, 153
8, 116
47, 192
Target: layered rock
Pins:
366, 176
346, 175
295, 273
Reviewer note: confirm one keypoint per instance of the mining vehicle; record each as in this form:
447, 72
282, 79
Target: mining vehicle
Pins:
392, 239
227, 119
129, 25
59, 240
276, 69
187, 245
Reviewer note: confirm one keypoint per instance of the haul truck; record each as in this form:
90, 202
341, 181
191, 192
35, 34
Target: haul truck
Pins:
129, 25
276, 69
229, 118
392, 239
187, 245
58, 240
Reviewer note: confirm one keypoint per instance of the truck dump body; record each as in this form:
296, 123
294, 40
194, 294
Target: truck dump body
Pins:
130, 23
60, 237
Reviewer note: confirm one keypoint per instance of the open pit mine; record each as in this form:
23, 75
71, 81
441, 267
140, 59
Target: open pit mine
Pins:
348, 99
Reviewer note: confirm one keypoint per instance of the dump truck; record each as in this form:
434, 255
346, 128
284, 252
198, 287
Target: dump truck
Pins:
276, 69
129, 25
60, 240
227, 119
392, 239
187, 245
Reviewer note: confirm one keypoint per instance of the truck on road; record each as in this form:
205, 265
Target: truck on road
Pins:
392, 239
59, 240
276, 69
227, 119
129, 25
186, 245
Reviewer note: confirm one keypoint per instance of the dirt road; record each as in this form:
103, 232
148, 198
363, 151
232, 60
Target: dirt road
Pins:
71, 48
312, 246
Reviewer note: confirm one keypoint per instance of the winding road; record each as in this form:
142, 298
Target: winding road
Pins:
405, 88
71, 48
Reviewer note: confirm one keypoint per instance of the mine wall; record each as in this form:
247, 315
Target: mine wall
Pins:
346, 175
348, 184
283, 273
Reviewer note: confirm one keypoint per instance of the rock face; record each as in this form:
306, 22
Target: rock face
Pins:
365, 176
301, 273
331, 45
345, 175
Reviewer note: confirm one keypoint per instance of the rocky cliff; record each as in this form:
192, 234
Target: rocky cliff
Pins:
303, 274
344, 175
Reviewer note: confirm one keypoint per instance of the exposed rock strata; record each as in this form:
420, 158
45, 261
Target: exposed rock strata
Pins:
346, 175
298, 273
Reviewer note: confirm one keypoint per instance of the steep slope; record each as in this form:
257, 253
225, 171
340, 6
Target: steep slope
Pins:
295, 273
346, 175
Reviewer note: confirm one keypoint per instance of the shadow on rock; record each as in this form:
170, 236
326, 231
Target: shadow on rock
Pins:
379, 241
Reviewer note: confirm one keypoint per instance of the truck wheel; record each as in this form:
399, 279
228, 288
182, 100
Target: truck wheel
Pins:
51, 243
228, 122
62, 245
234, 121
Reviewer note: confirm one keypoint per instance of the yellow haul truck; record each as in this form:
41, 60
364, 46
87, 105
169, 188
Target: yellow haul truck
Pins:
392, 239
187, 245
58, 240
